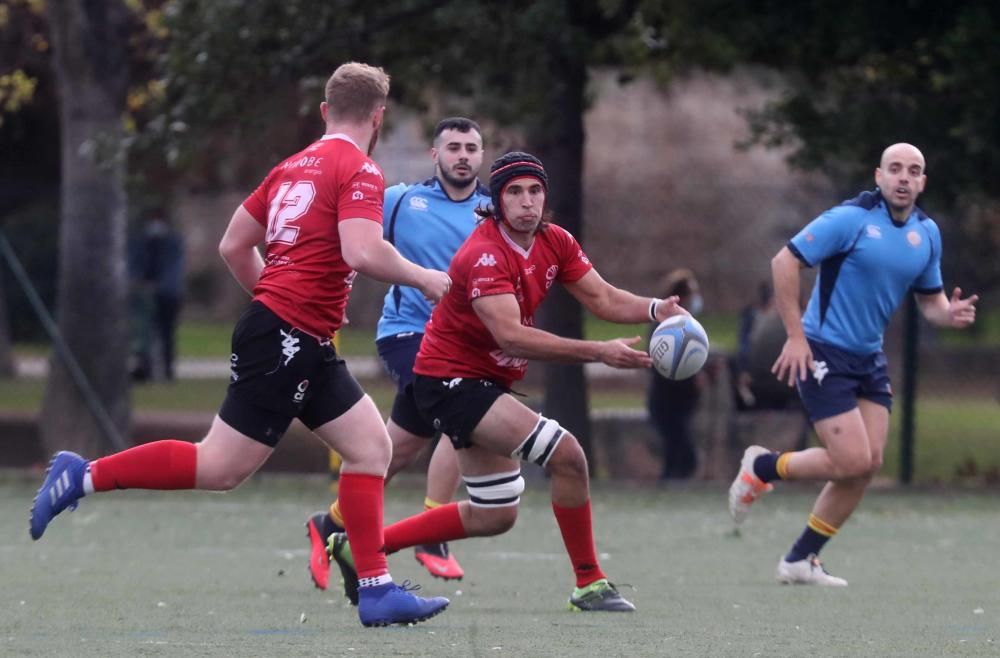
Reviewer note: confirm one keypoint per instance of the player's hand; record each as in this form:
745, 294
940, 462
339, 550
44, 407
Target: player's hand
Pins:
794, 362
435, 285
668, 308
961, 312
618, 353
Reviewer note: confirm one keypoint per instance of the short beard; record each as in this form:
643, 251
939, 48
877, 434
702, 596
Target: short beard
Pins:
455, 181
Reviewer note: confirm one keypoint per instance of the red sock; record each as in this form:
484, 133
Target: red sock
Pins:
361, 498
578, 536
165, 464
434, 526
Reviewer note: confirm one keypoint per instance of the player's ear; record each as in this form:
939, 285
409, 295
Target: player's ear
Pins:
324, 111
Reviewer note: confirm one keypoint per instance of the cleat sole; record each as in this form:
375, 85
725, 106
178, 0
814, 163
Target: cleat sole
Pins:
381, 623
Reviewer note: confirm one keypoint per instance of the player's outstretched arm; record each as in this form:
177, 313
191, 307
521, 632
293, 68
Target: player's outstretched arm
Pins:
502, 317
616, 305
238, 248
941, 311
364, 250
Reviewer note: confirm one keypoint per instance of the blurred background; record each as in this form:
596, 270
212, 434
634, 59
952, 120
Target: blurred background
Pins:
677, 134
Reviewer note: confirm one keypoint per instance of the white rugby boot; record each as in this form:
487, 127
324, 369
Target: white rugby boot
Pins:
747, 487
809, 571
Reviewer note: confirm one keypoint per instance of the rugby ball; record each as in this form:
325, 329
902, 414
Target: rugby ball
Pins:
678, 347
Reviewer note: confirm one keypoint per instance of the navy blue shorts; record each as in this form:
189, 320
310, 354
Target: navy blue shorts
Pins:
397, 354
839, 378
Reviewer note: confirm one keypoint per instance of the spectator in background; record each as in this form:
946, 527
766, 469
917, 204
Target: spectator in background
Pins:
672, 403
157, 266
761, 337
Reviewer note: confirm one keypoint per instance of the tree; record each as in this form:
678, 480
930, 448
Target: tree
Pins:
860, 76
90, 63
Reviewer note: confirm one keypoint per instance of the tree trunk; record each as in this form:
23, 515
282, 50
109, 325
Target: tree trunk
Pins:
558, 142
91, 74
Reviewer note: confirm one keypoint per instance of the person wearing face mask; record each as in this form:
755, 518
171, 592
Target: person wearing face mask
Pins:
672, 403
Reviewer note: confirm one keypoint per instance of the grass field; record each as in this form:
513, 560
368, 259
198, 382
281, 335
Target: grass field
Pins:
194, 574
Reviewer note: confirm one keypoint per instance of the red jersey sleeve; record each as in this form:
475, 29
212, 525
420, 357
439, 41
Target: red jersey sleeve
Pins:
489, 273
363, 193
574, 262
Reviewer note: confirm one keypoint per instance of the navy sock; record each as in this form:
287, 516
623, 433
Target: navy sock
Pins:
809, 543
766, 467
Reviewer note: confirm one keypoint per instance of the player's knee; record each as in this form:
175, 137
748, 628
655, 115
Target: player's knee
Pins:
493, 501
855, 465
221, 478
490, 521
542, 443
876, 464
569, 460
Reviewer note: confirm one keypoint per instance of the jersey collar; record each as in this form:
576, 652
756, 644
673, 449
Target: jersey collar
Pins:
342, 136
524, 253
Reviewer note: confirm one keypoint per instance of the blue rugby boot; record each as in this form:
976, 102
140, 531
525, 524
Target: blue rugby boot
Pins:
387, 604
63, 487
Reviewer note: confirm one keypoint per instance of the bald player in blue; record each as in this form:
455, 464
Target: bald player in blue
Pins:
871, 251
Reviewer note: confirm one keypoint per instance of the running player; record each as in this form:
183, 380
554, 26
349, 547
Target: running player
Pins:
427, 222
871, 251
319, 213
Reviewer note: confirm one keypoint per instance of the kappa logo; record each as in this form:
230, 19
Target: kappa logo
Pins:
452, 383
486, 260
820, 370
369, 168
418, 203
289, 345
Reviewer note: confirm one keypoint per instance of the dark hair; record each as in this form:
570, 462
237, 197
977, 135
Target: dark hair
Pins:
461, 124
678, 282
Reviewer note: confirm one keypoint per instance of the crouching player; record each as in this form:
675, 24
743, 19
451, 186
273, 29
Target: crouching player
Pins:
478, 343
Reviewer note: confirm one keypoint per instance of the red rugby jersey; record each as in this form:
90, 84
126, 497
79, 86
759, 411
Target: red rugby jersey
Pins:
456, 343
305, 279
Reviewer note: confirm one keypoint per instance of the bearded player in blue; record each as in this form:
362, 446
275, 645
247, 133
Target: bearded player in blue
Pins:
427, 222
871, 251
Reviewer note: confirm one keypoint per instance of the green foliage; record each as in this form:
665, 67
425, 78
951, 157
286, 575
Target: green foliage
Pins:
860, 76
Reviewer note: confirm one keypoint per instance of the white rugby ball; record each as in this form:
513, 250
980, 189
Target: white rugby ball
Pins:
678, 347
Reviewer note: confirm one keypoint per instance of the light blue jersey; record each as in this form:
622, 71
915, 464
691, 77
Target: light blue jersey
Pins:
867, 264
427, 228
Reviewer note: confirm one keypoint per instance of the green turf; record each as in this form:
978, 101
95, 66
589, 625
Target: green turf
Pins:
194, 574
